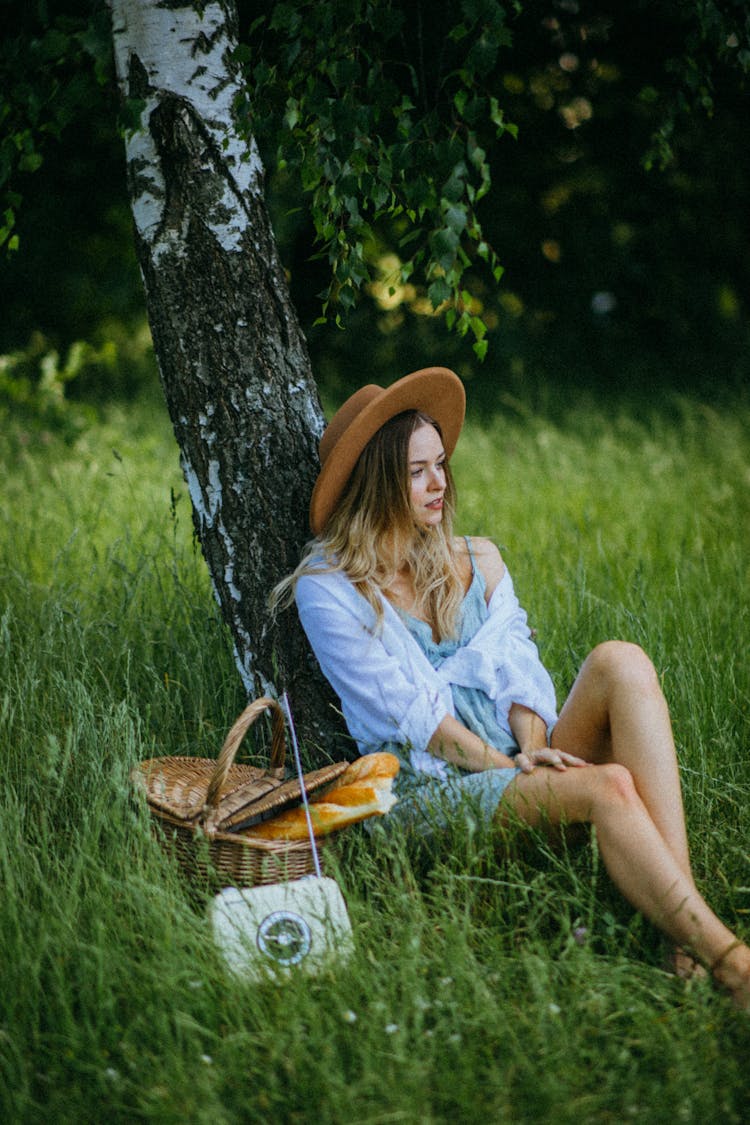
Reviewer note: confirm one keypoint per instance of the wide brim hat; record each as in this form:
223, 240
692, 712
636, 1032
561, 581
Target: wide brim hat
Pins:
434, 390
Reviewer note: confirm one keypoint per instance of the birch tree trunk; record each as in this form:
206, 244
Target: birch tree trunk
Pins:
232, 356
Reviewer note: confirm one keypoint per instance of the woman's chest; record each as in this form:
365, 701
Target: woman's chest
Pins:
403, 595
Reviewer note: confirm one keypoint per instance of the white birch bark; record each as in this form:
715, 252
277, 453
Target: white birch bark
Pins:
232, 357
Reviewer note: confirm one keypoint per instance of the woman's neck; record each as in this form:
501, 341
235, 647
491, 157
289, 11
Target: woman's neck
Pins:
396, 552
403, 588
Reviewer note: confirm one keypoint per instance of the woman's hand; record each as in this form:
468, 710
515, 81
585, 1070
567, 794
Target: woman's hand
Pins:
528, 760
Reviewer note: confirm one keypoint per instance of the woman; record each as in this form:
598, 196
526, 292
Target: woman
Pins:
423, 640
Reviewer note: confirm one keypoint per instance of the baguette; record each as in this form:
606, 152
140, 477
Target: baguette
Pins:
363, 790
380, 764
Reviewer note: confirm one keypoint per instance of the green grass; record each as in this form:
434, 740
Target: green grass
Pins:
469, 997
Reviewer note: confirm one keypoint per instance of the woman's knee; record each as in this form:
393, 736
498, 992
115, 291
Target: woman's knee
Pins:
613, 786
599, 792
621, 663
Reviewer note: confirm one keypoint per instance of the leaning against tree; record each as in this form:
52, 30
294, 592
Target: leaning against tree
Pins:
421, 636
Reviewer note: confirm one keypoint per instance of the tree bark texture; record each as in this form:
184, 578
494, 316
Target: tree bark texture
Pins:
232, 357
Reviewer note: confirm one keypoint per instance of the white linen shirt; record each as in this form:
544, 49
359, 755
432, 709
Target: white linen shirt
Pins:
388, 689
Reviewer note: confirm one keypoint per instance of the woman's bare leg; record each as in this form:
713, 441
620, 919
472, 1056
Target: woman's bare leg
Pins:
616, 712
638, 859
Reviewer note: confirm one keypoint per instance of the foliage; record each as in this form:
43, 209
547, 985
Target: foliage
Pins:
33, 383
711, 35
39, 388
370, 108
602, 257
52, 67
495, 978
389, 119
385, 113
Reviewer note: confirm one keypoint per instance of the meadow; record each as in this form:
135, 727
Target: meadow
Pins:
496, 977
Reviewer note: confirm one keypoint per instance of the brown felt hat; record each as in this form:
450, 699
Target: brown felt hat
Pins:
434, 390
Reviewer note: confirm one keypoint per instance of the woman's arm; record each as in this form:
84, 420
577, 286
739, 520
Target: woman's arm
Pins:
455, 743
527, 726
519, 680
386, 696
490, 562
529, 729
530, 732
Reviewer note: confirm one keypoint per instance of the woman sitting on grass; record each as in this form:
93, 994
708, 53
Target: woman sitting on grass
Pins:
422, 638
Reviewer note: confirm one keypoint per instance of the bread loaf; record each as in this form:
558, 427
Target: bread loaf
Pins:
381, 765
363, 790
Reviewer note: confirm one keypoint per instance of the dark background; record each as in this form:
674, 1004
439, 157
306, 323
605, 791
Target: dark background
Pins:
618, 279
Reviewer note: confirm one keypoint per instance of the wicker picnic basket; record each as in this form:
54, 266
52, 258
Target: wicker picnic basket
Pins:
205, 808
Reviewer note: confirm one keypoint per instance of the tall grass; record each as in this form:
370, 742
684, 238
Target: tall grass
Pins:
495, 978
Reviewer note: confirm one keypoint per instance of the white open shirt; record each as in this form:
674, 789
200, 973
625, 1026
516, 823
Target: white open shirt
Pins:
388, 689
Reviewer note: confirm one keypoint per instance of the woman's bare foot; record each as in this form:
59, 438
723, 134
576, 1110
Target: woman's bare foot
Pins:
732, 971
684, 964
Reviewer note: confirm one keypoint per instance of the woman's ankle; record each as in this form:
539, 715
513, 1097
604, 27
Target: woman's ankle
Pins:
731, 970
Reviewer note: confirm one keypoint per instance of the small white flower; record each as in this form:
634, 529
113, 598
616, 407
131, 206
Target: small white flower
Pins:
445, 981
349, 1016
391, 1028
111, 1074
555, 1009
206, 1059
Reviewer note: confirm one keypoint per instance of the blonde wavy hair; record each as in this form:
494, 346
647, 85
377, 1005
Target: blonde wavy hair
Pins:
373, 533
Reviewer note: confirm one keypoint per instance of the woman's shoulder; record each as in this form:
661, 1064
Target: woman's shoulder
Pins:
324, 584
487, 558
319, 573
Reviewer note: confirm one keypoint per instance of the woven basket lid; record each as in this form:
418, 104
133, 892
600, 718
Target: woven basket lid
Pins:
221, 796
178, 786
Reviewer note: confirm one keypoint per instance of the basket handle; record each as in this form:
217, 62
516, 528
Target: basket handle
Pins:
234, 738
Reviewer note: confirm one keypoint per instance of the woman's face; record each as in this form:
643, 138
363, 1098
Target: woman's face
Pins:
427, 475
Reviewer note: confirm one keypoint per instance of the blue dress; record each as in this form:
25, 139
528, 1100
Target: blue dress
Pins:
435, 800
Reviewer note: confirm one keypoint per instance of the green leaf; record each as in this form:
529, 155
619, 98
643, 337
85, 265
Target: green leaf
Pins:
455, 218
346, 297
478, 327
409, 237
453, 188
444, 246
285, 18
477, 156
438, 292
54, 46
292, 114
242, 53
30, 162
